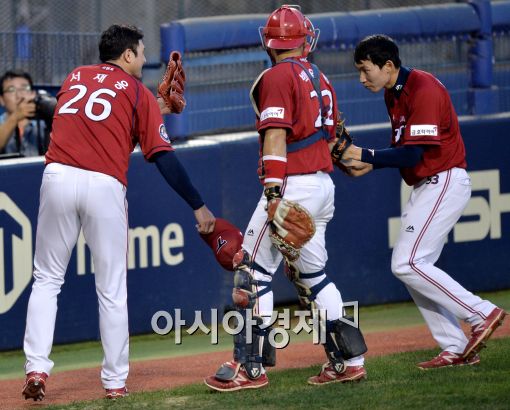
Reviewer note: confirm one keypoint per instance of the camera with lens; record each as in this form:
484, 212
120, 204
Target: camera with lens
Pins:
44, 107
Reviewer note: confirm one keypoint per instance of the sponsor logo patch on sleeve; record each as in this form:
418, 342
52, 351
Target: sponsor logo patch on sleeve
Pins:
424, 130
272, 112
163, 134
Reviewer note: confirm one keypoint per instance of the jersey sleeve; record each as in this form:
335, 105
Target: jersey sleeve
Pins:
422, 126
150, 129
275, 100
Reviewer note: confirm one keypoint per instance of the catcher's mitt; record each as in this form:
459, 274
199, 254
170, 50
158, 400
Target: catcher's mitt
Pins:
343, 141
171, 88
292, 227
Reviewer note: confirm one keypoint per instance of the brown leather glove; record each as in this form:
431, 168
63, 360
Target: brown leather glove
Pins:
171, 88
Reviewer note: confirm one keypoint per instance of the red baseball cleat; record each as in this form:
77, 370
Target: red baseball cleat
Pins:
448, 359
239, 380
35, 386
114, 394
329, 375
481, 332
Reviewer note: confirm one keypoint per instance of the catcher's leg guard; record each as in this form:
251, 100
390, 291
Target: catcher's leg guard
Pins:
343, 341
306, 294
252, 348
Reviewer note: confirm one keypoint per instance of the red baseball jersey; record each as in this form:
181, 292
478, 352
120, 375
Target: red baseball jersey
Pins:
286, 98
101, 114
421, 113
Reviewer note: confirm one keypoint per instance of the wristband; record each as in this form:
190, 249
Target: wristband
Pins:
275, 168
272, 192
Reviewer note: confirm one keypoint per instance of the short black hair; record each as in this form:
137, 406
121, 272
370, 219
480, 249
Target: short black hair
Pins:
9, 75
116, 39
378, 48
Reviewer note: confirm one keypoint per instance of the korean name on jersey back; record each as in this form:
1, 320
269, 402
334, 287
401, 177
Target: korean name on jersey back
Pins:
101, 114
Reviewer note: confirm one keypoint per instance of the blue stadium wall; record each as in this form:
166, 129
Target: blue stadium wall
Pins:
173, 269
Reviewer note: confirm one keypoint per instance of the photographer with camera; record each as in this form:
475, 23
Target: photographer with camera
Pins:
26, 122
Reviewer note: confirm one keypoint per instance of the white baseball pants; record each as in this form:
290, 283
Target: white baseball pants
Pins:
430, 214
72, 199
316, 192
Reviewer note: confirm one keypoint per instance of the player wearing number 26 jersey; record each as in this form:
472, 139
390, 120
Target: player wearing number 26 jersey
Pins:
103, 112
96, 104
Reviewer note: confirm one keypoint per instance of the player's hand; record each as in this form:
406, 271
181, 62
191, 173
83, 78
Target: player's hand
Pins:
357, 168
205, 220
162, 107
25, 109
352, 152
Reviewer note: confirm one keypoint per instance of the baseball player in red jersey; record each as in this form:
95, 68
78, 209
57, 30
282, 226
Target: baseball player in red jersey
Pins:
103, 111
427, 147
295, 165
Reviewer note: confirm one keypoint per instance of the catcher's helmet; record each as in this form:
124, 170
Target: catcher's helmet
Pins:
225, 241
312, 36
287, 28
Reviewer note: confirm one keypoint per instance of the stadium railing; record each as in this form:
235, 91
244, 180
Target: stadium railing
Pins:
467, 45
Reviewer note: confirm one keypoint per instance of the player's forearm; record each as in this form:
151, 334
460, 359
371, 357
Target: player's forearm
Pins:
274, 155
275, 142
177, 177
405, 156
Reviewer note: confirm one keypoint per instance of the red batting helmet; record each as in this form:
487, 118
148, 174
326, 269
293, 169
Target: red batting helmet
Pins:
225, 241
287, 28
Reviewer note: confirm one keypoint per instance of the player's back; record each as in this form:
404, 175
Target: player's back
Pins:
302, 105
94, 119
287, 99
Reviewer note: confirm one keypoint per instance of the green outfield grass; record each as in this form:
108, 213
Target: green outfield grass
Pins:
89, 354
393, 383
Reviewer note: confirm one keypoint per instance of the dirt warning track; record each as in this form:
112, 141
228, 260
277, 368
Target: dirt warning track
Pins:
159, 374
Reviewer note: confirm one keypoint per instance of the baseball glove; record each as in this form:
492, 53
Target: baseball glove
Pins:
171, 88
292, 227
343, 141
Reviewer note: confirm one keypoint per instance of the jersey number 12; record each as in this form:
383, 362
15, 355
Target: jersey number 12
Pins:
329, 117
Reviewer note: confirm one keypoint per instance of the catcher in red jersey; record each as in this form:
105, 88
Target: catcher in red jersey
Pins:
296, 113
427, 147
103, 112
